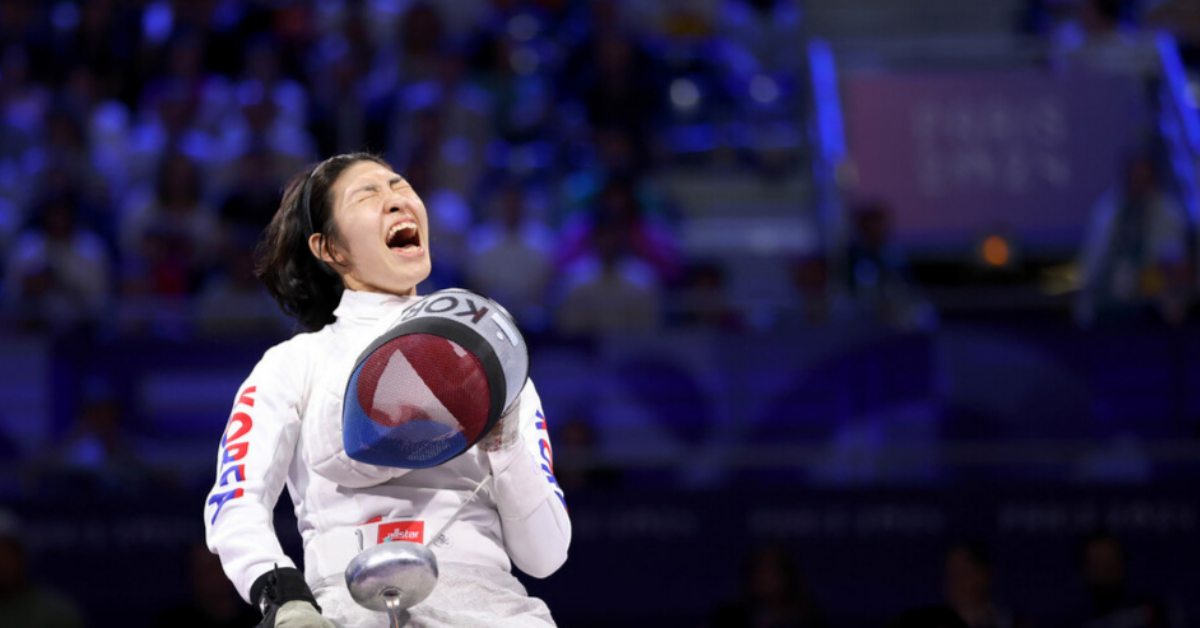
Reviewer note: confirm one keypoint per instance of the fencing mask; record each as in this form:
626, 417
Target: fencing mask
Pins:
435, 383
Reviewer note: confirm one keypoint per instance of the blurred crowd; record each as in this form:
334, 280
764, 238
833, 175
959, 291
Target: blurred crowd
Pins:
143, 145
776, 593
1112, 35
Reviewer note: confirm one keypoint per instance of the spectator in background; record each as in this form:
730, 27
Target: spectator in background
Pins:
448, 120
520, 95
1134, 255
412, 53
1101, 39
166, 123
176, 228
622, 91
107, 37
23, 106
1045, 18
968, 588
1111, 604
99, 453
161, 266
232, 302
644, 238
576, 463
262, 65
253, 193
214, 602
65, 148
58, 275
704, 301
90, 96
617, 158
19, 23
23, 603
814, 303
257, 124
23, 102
383, 19
610, 290
510, 259
180, 69
1181, 17
760, 35
590, 23
342, 120
877, 272
774, 595
90, 202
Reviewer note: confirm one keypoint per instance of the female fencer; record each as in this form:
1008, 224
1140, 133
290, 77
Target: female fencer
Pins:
343, 255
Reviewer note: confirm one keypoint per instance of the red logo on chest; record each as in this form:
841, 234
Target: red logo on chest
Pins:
411, 531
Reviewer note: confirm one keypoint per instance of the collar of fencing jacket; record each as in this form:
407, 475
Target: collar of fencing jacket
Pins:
368, 306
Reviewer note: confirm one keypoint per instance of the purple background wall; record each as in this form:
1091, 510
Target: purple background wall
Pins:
961, 156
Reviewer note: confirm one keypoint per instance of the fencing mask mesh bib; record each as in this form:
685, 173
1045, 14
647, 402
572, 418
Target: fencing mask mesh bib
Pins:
435, 383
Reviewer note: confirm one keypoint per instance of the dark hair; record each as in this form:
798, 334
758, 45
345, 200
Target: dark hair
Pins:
304, 286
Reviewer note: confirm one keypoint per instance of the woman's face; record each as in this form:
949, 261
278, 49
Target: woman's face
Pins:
384, 231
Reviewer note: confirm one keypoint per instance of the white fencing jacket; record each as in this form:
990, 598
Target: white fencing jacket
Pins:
285, 428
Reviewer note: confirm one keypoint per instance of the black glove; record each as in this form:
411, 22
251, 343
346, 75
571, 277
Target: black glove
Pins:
278, 587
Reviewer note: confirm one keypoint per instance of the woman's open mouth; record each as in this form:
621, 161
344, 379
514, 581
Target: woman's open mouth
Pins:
405, 238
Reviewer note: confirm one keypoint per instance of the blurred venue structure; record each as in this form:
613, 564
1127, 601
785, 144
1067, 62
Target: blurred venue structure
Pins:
839, 308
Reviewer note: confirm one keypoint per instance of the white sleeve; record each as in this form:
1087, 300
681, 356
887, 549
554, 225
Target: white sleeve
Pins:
252, 465
533, 512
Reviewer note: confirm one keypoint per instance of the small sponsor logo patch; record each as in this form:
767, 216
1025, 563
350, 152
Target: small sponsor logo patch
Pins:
411, 531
